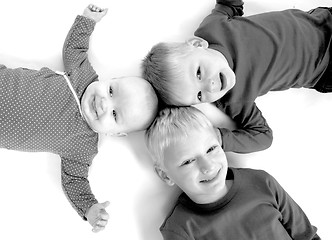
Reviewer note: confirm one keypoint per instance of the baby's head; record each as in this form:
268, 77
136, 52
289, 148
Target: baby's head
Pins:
187, 151
119, 105
188, 73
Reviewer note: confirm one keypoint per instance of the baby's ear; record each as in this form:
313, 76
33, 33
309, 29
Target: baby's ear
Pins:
163, 175
197, 42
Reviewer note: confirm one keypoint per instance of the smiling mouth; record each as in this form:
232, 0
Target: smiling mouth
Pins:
210, 179
222, 80
94, 108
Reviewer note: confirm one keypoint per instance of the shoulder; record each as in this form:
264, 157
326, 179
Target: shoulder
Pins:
254, 175
172, 227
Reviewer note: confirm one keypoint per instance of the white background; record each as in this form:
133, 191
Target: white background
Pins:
32, 204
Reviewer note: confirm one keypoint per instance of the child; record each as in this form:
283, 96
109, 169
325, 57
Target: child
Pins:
63, 113
233, 59
218, 202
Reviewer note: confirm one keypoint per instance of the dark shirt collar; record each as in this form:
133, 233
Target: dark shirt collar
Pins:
232, 174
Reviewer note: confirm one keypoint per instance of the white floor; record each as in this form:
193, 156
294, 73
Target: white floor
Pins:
32, 202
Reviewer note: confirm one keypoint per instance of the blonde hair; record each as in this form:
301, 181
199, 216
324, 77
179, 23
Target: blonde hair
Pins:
172, 125
162, 65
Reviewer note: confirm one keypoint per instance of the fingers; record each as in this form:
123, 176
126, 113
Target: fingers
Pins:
95, 8
105, 204
99, 225
102, 219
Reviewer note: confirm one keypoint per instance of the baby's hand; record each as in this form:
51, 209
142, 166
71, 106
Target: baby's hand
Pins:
94, 12
97, 216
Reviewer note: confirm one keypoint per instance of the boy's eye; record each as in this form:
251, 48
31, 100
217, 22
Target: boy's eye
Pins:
111, 91
198, 73
199, 96
211, 149
187, 162
114, 114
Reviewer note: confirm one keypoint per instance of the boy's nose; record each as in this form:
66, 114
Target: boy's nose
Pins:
213, 85
206, 165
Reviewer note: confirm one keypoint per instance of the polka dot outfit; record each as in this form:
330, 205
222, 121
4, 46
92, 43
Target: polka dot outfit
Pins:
38, 113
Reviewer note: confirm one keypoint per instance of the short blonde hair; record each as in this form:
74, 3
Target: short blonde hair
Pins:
161, 66
172, 125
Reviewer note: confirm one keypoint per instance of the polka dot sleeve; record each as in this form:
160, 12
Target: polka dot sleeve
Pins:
74, 170
74, 177
38, 113
77, 43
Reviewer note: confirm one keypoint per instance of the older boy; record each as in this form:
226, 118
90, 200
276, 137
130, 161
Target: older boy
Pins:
62, 113
217, 202
233, 59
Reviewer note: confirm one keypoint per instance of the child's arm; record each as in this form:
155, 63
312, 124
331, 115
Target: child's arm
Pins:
217, 117
230, 7
75, 184
252, 133
293, 218
76, 45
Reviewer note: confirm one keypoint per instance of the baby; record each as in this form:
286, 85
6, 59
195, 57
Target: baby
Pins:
63, 113
218, 202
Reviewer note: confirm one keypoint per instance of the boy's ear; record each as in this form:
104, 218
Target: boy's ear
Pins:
197, 42
163, 175
218, 135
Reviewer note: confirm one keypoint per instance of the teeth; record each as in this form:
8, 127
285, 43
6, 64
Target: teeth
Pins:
207, 180
221, 76
212, 178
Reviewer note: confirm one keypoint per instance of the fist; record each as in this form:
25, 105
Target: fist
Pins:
94, 12
97, 216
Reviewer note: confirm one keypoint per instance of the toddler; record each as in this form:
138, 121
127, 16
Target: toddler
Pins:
218, 202
62, 113
232, 60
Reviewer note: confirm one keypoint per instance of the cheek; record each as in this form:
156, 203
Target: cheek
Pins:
106, 125
212, 97
219, 156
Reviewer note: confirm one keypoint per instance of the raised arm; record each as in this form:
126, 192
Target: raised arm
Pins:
252, 133
230, 7
76, 45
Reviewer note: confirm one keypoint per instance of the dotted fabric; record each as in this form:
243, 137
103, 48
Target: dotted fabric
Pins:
38, 113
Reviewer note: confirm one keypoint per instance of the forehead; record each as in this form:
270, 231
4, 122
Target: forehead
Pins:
194, 142
132, 96
130, 83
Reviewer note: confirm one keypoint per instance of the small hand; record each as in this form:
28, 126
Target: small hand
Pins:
97, 216
94, 12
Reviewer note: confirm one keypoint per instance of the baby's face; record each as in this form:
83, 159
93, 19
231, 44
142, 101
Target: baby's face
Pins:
198, 165
207, 77
116, 105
